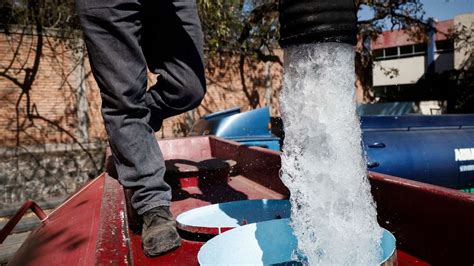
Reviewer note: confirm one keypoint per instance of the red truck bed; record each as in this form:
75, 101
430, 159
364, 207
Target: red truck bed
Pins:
95, 225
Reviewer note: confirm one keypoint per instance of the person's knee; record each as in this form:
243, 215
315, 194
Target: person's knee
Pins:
196, 93
124, 108
172, 96
185, 95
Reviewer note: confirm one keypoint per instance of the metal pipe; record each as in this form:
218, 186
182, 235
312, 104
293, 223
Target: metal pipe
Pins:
313, 21
431, 51
28, 205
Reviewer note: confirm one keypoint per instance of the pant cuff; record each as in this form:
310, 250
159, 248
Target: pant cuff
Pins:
148, 207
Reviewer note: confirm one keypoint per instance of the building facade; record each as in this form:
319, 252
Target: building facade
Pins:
407, 69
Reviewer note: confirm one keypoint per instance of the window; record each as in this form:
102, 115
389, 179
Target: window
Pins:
400, 51
420, 48
378, 54
444, 46
406, 50
391, 52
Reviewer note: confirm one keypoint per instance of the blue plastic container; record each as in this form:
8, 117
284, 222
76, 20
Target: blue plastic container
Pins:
265, 243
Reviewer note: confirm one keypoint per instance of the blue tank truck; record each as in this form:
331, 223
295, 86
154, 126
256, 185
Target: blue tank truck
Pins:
433, 149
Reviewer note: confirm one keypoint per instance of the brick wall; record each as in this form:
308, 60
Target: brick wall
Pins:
52, 137
42, 93
64, 103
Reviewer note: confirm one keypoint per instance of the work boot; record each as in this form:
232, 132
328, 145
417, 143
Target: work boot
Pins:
159, 234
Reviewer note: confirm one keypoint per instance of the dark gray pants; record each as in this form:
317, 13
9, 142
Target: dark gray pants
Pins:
123, 37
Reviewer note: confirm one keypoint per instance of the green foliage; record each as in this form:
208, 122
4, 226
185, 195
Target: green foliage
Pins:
43, 17
247, 27
48, 13
221, 23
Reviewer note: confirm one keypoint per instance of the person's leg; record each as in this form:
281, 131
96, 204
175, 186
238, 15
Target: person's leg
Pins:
173, 46
112, 32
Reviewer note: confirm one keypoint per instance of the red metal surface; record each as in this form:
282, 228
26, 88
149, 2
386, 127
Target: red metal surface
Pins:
90, 228
185, 148
112, 247
432, 223
186, 182
258, 169
185, 255
405, 259
187, 172
28, 205
257, 164
93, 227
184, 199
203, 230
70, 236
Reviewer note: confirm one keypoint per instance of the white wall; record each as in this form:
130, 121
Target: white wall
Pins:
410, 70
432, 107
467, 20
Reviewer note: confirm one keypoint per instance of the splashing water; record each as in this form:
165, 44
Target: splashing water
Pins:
333, 213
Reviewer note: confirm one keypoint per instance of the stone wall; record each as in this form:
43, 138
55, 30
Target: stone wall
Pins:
46, 171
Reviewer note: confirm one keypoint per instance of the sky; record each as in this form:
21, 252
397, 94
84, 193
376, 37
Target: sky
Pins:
439, 9
443, 9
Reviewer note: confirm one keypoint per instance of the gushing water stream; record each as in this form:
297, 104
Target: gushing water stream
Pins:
333, 213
